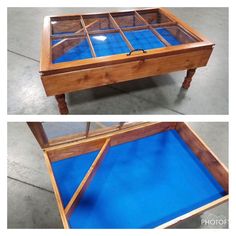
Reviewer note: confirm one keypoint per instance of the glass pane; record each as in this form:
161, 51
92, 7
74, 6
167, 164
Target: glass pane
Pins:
127, 20
58, 129
68, 40
154, 16
66, 25
129, 124
102, 126
108, 44
70, 49
143, 39
175, 35
98, 22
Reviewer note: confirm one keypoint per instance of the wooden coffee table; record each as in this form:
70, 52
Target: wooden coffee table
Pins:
85, 51
143, 175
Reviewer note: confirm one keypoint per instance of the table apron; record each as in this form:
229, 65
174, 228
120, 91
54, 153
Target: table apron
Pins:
99, 76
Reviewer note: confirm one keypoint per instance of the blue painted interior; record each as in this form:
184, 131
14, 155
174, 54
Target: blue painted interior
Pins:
168, 36
140, 184
113, 43
143, 39
70, 172
109, 44
79, 52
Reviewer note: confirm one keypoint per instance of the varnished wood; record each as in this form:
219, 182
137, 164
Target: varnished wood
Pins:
88, 37
166, 24
87, 179
77, 74
104, 141
73, 149
90, 144
194, 33
188, 78
134, 28
45, 51
181, 34
65, 46
100, 76
65, 37
107, 60
73, 40
93, 133
104, 22
68, 43
198, 211
39, 133
116, 59
153, 30
205, 155
69, 138
121, 32
62, 104
56, 192
92, 32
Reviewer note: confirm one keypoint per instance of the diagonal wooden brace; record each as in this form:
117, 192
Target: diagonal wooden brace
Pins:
87, 179
66, 44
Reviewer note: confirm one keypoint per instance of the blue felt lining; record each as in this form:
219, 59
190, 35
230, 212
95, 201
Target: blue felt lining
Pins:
70, 172
166, 34
143, 39
140, 184
114, 44
79, 52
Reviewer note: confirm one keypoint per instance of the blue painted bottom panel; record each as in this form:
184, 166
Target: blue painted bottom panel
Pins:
113, 43
70, 172
166, 34
143, 39
79, 52
140, 184
109, 44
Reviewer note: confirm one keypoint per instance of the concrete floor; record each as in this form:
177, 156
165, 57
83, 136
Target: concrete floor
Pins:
31, 202
157, 95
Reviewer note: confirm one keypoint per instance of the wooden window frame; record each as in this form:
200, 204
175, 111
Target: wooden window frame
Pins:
48, 68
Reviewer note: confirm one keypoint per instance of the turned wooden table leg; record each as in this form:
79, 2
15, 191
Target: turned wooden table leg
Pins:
188, 78
62, 104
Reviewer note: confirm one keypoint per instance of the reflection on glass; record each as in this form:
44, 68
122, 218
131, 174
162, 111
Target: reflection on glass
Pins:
100, 37
109, 44
166, 34
143, 39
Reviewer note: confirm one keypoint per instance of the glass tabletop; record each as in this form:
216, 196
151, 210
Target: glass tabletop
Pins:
91, 36
109, 44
